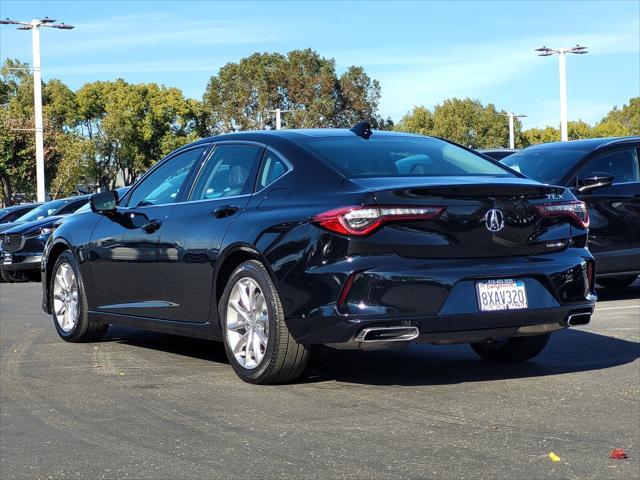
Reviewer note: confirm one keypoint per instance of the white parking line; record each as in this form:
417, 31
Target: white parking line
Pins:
617, 308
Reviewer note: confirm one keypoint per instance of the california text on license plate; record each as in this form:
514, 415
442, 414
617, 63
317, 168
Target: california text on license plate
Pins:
501, 294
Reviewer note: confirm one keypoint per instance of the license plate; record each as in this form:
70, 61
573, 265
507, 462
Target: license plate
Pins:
502, 294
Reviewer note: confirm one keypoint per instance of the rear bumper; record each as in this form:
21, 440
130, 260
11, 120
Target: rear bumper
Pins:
436, 296
454, 328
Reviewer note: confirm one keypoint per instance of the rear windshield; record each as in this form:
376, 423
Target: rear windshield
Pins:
547, 165
399, 156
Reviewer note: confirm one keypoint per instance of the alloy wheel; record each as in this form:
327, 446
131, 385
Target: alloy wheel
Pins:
65, 297
247, 323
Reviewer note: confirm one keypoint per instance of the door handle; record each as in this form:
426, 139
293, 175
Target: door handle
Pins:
152, 226
224, 211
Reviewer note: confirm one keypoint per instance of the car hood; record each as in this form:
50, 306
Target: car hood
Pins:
34, 225
6, 226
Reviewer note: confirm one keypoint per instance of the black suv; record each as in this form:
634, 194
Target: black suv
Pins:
604, 173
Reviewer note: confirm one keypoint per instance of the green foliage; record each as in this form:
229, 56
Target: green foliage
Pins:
467, 122
470, 123
241, 96
533, 136
132, 126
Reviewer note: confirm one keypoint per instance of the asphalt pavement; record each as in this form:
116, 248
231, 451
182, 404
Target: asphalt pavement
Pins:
147, 405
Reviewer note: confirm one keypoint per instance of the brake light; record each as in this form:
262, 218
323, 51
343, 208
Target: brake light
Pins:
361, 221
575, 210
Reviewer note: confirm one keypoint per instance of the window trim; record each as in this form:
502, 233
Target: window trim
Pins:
262, 160
168, 158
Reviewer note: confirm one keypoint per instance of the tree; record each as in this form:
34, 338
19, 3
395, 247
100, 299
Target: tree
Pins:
534, 136
626, 119
132, 126
242, 94
17, 156
419, 120
464, 121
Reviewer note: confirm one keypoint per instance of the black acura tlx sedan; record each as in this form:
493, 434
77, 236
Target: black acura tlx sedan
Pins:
274, 241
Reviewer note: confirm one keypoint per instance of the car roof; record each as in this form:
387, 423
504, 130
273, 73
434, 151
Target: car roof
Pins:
587, 143
21, 205
293, 134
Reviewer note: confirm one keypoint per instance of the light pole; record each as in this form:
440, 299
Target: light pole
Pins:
278, 112
562, 61
512, 139
34, 26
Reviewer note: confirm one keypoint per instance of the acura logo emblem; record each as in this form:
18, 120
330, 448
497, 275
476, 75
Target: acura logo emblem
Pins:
494, 220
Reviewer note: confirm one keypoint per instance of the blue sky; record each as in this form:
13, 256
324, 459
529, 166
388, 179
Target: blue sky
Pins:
421, 52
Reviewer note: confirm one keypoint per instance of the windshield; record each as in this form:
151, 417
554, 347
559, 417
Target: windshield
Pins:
42, 211
547, 165
400, 156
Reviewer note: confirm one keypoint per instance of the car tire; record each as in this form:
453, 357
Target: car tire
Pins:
71, 319
258, 343
616, 282
514, 349
17, 276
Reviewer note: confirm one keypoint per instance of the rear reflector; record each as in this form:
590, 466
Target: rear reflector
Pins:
576, 211
361, 221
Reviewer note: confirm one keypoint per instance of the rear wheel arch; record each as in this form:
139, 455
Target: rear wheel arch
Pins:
230, 260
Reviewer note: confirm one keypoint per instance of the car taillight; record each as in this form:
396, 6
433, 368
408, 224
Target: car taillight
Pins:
576, 210
361, 221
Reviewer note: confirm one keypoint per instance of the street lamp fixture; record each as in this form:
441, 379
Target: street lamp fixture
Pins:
34, 26
512, 116
562, 52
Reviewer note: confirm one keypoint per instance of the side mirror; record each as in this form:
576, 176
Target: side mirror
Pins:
104, 202
593, 181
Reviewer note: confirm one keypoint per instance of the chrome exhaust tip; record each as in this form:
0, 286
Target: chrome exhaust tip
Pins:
581, 318
387, 334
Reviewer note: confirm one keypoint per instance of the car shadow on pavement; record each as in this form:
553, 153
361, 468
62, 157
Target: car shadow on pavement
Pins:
568, 351
176, 344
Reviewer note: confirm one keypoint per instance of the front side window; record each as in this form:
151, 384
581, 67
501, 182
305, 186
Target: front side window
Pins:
547, 165
622, 164
227, 172
163, 185
385, 156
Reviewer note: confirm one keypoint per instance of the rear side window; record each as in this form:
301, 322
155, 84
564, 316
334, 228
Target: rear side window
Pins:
273, 167
227, 172
400, 156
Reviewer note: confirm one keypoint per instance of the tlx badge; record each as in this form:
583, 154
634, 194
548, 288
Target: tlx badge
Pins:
494, 220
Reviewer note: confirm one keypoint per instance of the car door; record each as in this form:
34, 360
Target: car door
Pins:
614, 210
194, 230
125, 245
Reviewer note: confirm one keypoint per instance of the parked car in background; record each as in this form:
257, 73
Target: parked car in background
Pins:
22, 244
12, 213
273, 241
605, 174
498, 153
